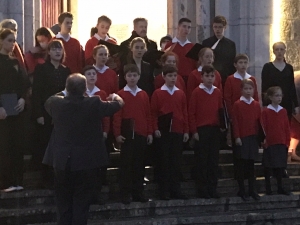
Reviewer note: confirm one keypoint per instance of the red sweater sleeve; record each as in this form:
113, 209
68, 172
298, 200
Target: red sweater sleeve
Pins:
218, 81
228, 96
148, 115
185, 115
159, 81
154, 111
191, 85
89, 59
255, 95
117, 120
181, 83
235, 120
116, 82
192, 113
287, 130
263, 122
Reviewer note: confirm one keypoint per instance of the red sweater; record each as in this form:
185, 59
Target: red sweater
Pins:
74, 54
245, 118
163, 103
185, 64
204, 109
89, 46
159, 81
137, 108
105, 120
32, 61
108, 81
276, 127
17, 52
195, 79
232, 91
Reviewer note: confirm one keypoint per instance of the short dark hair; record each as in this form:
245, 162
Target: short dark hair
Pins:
247, 81
240, 56
56, 44
63, 16
76, 84
207, 69
139, 19
220, 19
165, 38
88, 67
168, 69
182, 20
131, 68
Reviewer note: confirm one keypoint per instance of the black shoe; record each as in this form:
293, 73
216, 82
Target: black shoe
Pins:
178, 196
283, 192
126, 199
254, 195
139, 198
285, 174
243, 196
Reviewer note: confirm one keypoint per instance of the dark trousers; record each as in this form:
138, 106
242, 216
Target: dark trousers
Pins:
11, 151
132, 169
169, 153
207, 158
245, 169
278, 173
74, 192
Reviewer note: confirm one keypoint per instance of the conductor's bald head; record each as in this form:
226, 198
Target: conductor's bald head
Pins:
76, 84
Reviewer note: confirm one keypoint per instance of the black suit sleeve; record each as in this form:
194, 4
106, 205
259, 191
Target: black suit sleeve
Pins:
293, 92
232, 69
108, 108
265, 82
37, 91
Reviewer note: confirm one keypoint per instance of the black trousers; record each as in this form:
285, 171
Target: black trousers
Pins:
207, 158
74, 192
132, 169
245, 169
169, 153
278, 173
11, 151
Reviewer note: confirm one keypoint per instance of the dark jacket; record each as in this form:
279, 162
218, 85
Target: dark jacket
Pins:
77, 135
225, 53
151, 45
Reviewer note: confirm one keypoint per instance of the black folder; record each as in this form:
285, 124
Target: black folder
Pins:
9, 102
127, 128
112, 48
193, 53
165, 122
153, 57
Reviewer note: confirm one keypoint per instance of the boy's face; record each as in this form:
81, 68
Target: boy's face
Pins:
103, 28
56, 53
170, 79
241, 65
91, 76
66, 26
208, 78
219, 29
184, 29
132, 78
141, 28
247, 91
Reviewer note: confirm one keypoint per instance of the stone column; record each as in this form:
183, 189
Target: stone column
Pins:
203, 22
29, 22
74, 11
37, 14
3, 9
16, 12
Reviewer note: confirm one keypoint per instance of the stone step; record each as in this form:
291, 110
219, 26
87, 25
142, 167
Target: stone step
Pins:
159, 211
226, 188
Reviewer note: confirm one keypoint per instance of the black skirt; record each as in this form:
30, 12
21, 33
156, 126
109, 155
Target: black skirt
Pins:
275, 156
249, 148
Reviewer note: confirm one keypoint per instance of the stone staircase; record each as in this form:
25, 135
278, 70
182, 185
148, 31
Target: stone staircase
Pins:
34, 206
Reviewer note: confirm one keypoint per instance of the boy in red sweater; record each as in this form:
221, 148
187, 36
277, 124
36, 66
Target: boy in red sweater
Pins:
246, 123
206, 119
74, 53
170, 123
181, 46
133, 130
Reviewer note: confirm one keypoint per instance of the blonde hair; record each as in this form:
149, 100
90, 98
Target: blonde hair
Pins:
7, 22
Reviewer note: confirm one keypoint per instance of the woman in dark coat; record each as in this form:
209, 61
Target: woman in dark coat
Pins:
13, 89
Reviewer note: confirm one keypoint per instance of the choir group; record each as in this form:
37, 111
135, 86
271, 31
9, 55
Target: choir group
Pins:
183, 93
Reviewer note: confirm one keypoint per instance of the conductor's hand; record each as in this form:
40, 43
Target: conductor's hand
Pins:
120, 139
149, 139
196, 136
115, 97
157, 134
40, 120
20, 106
3, 114
238, 142
186, 137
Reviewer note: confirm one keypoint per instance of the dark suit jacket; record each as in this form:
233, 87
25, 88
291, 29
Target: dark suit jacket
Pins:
77, 134
225, 53
151, 45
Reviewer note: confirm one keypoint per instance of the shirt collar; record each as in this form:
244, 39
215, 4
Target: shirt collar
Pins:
134, 93
175, 40
170, 91
238, 76
102, 70
208, 91
97, 36
276, 110
62, 37
92, 92
65, 92
200, 68
242, 98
